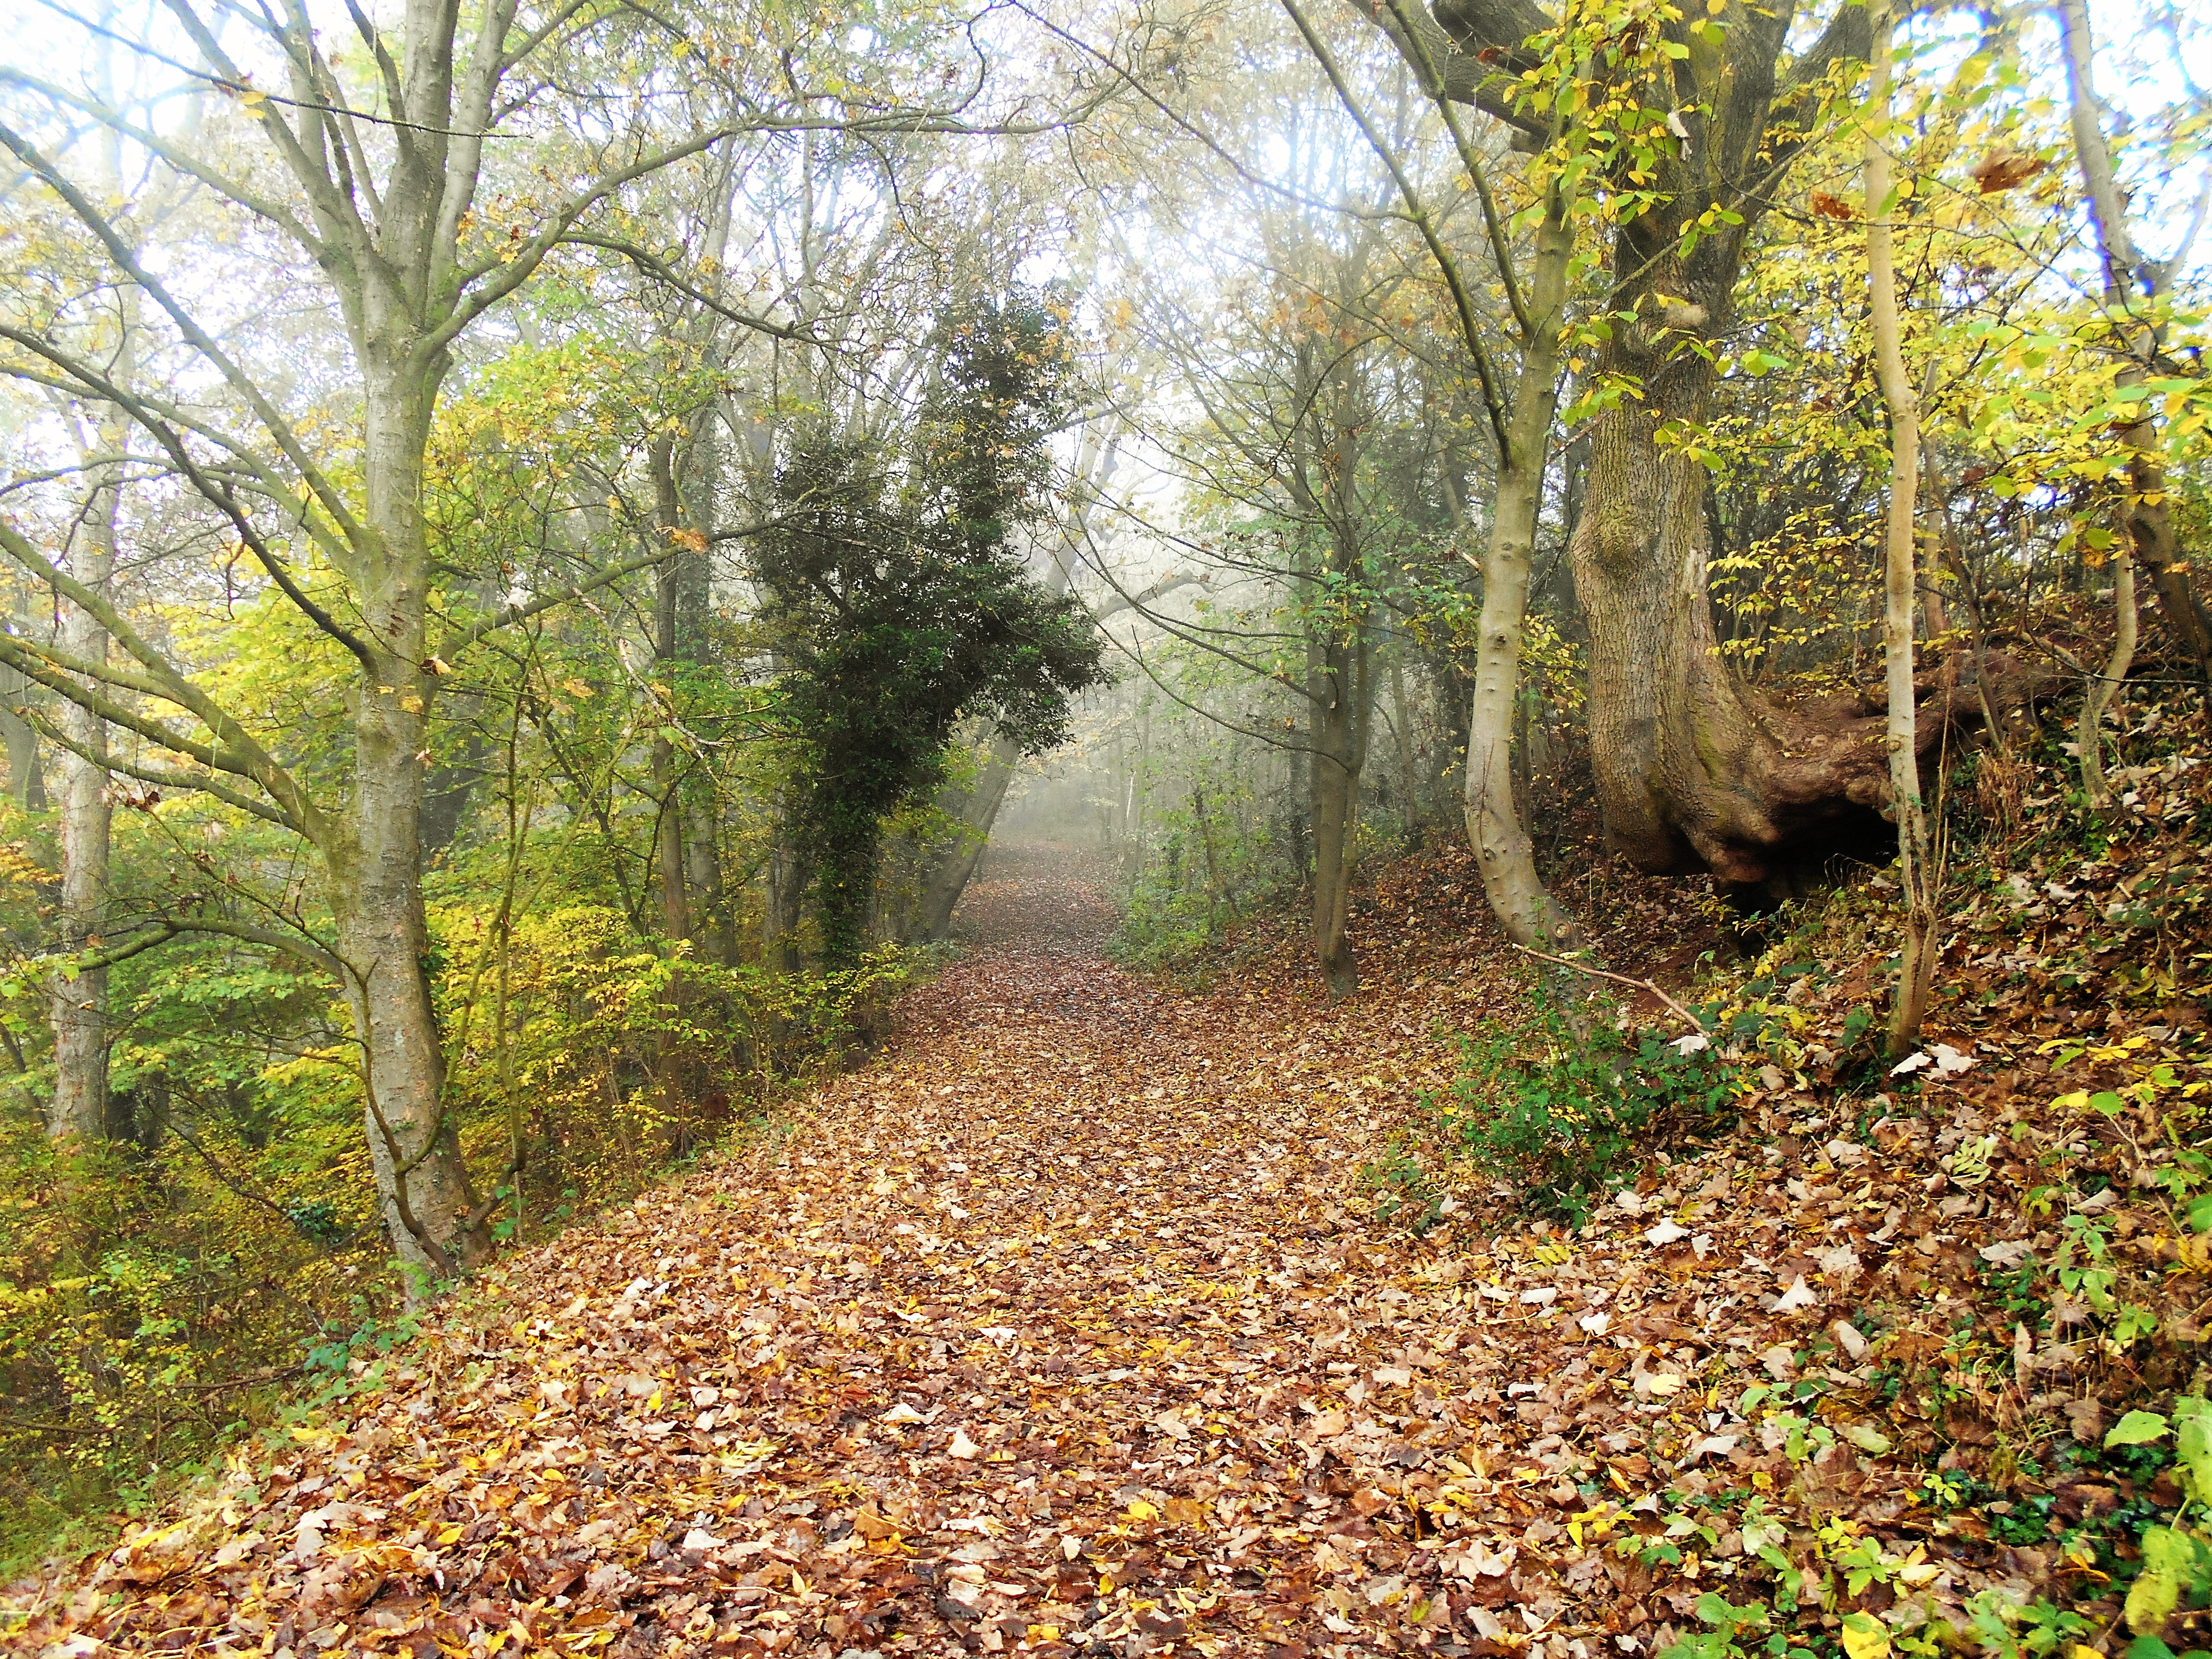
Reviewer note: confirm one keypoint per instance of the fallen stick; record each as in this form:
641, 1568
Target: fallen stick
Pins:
1688, 1018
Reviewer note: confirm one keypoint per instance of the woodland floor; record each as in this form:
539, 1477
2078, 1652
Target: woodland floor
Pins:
1064, 1324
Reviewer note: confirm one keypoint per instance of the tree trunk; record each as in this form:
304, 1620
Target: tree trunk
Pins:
1693, 769
2149, 518
688, 503
702, 872
376, 880
670, 659
947, 877
1338, 686
1915, 851
1503, 851
2097, 695
79, 1007
26, 781
783, 893
1409, 781
421, 1180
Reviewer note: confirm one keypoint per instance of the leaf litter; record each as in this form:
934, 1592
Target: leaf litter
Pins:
1065, 1327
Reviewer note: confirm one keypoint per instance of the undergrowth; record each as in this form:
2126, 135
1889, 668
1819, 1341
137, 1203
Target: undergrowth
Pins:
1559, 1115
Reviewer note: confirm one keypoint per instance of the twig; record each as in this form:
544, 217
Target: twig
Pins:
1689, 1018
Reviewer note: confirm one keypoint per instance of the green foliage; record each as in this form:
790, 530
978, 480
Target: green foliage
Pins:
1561, 1115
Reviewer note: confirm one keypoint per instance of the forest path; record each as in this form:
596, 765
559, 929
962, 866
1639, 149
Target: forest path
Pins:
1050, 1329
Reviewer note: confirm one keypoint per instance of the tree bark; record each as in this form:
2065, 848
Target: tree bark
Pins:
1503, 851
26, 781
2148, 515
1693, 768
1337, 684
783, 892
2097, 695
947, 876
669, 660
78, 1006
1409, 781
376, 866
1915, 851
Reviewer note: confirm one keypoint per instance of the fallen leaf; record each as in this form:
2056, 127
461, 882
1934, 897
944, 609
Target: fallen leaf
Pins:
1796, 1296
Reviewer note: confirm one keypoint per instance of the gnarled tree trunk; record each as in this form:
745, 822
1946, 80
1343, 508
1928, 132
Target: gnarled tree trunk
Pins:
1694, 769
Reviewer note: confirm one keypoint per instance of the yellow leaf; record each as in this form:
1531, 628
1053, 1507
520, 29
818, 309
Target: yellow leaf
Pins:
1865, 1636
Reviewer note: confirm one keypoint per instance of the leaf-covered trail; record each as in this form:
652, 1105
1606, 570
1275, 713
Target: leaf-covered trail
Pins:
1053, 1329
1018, 1337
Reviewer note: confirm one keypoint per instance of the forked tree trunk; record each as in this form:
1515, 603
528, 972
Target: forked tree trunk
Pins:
1900, 571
